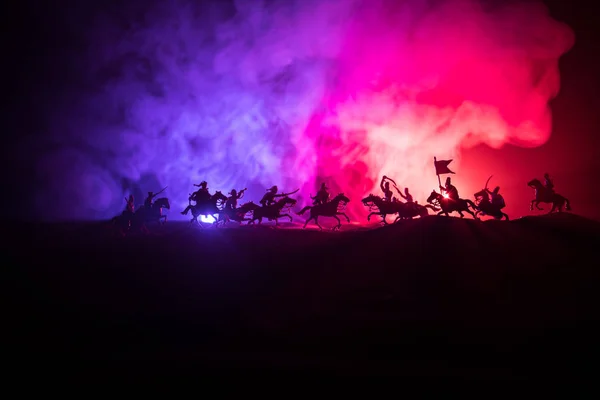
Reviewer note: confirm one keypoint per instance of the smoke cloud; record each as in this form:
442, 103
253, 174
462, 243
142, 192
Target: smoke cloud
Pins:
260, 93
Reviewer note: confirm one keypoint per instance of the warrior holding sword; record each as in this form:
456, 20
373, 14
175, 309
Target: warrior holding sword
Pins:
385, 188
269, 197
150, 199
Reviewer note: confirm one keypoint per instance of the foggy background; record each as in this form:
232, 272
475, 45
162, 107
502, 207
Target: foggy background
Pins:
112, 98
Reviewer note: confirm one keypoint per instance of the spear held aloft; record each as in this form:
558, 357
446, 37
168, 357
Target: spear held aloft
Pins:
438, 175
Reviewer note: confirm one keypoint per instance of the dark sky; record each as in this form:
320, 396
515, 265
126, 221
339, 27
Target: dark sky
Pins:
34, 43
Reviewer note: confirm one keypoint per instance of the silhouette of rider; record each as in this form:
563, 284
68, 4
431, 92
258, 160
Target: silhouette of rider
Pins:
496, 199
130, 207
406, 196
234, 196
269, 197
385, 188
548, 184
450, 190
322, 195
202, 194
150, 199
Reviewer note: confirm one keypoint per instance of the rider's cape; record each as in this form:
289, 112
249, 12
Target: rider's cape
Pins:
499, 201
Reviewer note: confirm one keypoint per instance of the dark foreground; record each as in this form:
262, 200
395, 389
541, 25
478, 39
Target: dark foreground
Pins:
432, 297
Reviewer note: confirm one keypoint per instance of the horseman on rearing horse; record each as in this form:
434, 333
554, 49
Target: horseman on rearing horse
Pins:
490, 202
544, 193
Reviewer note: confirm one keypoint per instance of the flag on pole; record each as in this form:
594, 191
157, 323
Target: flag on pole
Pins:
441, 167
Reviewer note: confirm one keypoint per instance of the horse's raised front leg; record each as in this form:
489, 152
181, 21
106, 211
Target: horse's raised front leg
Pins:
370, 215
537, 205
347, 217
344, 214
383, 219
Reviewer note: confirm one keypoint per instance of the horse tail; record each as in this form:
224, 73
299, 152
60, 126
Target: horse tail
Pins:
471, 204
567, 204
304, 210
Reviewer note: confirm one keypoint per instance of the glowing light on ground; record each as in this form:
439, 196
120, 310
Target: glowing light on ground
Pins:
208, 219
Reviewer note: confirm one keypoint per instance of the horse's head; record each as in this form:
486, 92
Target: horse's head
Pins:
249, 206
482, 193
218, 196
433, 196
287, 201
371, 198
534, 183
163, 202
341, 198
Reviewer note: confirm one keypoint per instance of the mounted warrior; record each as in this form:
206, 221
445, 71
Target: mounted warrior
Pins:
232, 200
384, 185
490, 202
201, 195
450, 190
150, 199
130, 204
269, 198
322, 195
548, 183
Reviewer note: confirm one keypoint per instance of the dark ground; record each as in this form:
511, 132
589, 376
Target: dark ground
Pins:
428, 298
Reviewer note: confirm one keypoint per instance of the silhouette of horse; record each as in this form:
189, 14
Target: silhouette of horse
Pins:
329, 209
155, 213
237, 214
205, 208
384, 208
273, 212
411, 210
129, 222
485, 206
448, 205
543, 195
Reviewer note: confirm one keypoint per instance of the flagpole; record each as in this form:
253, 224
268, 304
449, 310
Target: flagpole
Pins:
434, 163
